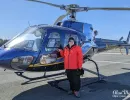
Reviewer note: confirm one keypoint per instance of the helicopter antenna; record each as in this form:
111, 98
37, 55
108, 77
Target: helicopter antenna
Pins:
72, 9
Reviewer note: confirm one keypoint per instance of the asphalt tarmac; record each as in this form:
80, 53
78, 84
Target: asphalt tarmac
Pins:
114, 68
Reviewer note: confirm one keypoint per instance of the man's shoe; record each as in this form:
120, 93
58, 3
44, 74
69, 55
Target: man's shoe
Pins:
77, 94
70, 92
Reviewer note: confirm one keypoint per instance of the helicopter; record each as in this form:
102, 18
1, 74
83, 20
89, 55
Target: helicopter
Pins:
34, 49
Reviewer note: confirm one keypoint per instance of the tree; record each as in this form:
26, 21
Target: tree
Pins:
3, 41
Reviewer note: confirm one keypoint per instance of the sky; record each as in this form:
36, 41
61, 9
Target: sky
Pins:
15, 15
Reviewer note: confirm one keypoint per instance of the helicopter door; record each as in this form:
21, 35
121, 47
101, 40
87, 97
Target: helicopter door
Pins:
52, 43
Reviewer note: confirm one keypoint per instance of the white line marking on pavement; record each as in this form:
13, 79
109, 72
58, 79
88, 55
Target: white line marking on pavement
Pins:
111, 53
112, 62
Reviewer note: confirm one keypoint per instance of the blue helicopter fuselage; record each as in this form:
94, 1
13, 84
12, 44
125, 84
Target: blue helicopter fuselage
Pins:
25, 51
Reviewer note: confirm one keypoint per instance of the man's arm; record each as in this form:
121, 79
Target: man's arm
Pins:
61, 52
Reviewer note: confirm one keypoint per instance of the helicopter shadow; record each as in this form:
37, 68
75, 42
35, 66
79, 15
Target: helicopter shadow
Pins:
96, 91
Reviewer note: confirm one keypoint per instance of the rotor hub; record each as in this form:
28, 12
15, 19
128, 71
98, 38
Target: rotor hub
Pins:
72, 6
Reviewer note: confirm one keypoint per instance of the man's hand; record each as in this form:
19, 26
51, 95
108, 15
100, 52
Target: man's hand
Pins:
58, 50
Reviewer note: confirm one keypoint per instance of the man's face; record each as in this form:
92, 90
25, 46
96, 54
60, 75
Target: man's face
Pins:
71, 42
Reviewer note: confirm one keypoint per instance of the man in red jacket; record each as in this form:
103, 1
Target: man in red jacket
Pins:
73, 60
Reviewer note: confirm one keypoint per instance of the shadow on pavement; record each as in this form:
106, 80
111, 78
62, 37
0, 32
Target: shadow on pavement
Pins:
96, 91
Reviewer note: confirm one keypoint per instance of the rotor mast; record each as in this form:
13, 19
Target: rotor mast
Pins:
72, 16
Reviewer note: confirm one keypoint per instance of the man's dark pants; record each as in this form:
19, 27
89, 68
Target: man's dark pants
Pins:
74, 79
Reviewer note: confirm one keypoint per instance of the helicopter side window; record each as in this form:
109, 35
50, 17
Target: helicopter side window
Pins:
54, 35
53, 42
67, 36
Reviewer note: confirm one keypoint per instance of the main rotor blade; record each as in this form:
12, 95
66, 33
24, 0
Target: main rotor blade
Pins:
79, 9
108, 8
61, 18
55, 5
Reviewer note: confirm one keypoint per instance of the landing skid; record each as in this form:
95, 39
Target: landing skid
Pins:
36, 78
55, 83
98, 80
99, 77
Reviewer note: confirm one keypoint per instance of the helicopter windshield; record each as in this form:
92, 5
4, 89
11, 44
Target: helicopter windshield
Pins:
30, 39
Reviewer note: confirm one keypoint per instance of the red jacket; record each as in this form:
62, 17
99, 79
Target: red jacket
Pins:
73, 57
